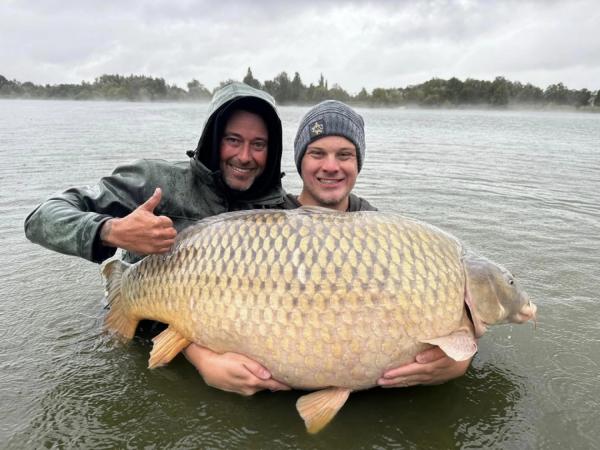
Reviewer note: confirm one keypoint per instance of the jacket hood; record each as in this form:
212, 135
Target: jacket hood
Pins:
228, 99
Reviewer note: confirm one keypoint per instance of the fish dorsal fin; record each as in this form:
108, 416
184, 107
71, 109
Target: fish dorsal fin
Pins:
166, 346
318, 408
459, 345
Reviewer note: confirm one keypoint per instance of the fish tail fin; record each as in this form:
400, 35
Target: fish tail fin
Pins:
166, 346
117, 319
318, 408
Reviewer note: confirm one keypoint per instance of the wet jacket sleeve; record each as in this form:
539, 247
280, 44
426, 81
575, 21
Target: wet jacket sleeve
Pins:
70, 222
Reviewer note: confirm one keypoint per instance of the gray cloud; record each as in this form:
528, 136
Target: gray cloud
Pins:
355, 44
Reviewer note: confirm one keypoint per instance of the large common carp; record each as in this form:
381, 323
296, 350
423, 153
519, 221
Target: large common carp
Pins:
326, 301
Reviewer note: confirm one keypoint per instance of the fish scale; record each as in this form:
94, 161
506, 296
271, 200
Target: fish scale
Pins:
322, 299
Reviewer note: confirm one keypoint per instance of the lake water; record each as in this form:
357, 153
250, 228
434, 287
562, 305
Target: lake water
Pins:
521, 188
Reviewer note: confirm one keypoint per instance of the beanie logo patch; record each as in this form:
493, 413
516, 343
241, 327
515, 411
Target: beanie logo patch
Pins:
316, 128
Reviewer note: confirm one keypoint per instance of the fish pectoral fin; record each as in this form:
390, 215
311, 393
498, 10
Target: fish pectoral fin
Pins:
459, 345
318, 408
166, 346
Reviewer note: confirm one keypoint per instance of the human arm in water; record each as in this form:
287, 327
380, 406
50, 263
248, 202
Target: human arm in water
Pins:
231, 372
430, 367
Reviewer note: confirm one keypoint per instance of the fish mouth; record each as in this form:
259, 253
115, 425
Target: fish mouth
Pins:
526, 313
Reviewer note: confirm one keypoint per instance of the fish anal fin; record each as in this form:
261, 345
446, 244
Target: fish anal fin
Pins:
166, 346
459, 345
318, 408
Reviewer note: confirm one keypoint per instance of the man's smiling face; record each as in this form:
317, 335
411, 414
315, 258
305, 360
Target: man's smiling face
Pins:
329, 169
243, 150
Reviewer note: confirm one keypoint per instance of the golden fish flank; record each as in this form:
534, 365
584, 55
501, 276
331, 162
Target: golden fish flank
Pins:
323, 299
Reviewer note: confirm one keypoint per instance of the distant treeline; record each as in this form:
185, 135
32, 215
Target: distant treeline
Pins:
433, 93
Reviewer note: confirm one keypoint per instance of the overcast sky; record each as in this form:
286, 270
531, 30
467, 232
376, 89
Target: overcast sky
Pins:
355, 44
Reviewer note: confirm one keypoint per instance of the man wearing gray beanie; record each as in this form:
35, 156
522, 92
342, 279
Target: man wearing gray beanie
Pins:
329, 151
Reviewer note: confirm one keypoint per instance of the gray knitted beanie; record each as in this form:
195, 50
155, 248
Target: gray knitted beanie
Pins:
330, 118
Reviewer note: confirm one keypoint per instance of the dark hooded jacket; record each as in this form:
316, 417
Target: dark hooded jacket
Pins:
191, 190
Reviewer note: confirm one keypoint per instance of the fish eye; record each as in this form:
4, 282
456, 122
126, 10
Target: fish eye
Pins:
509, 277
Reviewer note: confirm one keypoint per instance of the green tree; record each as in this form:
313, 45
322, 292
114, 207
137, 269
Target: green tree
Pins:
474, 91
197, 91
9, 88
251, 81
580, 98
434, 92
280, 88
499, 92
322, 81
337, 93
412, 94
318, 93
363, 96
382, 97
175, 93
557, 94
297, 89
454, 90
528, 93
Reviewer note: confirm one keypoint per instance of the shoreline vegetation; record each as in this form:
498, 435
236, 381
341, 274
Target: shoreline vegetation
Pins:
435, 93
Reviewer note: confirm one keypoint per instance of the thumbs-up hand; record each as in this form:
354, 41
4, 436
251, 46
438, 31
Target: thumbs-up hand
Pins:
142, 231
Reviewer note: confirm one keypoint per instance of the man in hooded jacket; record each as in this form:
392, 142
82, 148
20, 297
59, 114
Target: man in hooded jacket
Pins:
72, 222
